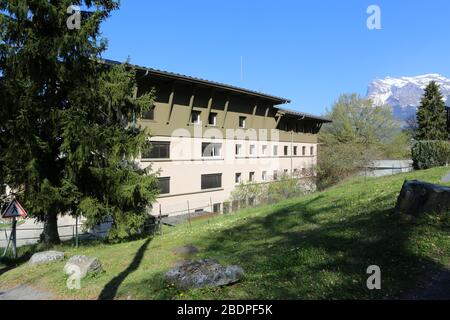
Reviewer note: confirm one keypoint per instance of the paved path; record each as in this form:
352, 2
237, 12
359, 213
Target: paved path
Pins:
434, 287
25, 293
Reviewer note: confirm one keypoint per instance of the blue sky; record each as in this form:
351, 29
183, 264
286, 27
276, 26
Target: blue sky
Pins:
307, 51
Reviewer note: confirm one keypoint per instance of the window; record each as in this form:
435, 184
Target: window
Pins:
211, 181
286, 126
238, 149
304, 151
286, 150
264, 150
238, 178
286, 171
211, 149
297, 128
251, 177
242, 121
212, 121
196, 117
156, 150
275, 150
164, 185
312, 151
264, 176
216, 207
252, 150
150, 114
295, 151
275, 175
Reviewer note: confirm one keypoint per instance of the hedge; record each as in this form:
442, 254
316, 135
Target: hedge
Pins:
430, 154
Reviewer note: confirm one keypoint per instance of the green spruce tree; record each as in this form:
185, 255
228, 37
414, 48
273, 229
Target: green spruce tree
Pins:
431, 116
67, 122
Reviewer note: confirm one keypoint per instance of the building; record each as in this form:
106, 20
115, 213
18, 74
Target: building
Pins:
208, 137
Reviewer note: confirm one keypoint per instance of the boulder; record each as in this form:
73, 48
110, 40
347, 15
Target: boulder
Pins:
83, 265
204, 273
46, 257
418, 198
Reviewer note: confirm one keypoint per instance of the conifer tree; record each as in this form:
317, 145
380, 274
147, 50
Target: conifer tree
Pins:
431, 116
67, 132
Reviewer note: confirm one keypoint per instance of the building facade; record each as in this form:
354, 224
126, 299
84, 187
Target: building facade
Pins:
207, 138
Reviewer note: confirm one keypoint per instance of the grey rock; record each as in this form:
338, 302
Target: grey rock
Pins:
46, 257
417, 198
204, 273
180, 263
83, 265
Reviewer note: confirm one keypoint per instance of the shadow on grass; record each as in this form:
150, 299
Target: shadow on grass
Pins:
24, 254
110, 290
326, 260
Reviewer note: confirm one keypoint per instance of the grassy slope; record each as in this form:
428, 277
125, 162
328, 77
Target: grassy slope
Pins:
310, 248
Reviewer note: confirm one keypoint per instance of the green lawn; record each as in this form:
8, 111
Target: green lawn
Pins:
316, 247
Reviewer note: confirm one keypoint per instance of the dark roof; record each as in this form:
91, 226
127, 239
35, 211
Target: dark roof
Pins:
303, 115
181, 77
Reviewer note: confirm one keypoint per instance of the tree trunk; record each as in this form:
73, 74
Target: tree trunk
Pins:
50, 234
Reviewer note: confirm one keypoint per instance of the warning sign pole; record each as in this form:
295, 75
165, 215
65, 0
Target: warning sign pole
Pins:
13, 211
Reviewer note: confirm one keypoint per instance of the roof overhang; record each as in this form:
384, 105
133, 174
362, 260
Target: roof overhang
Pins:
205, 83
301, 115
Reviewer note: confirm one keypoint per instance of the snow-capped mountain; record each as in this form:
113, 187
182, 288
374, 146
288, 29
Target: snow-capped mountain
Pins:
404, 94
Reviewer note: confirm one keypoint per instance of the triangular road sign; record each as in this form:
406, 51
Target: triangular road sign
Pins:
14, 210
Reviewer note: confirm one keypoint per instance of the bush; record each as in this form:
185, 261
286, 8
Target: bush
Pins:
340, 161
261, 193
430, 154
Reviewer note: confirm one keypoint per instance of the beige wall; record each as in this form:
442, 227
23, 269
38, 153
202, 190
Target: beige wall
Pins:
186, 166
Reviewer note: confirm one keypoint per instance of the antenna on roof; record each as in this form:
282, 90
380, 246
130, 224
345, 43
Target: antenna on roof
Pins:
242, 68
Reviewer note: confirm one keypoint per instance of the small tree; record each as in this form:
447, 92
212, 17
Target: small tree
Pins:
359, 134
431, 116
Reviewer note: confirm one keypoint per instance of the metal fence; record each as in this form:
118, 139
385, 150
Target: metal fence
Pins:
76, 233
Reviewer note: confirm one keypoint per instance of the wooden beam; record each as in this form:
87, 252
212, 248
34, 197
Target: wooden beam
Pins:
255, 109
191, 105
171, 102
135, 92
210, 102
266, 115
278, 121
227, 104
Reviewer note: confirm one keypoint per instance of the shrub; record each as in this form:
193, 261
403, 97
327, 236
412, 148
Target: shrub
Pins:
342, 160
283, 188
430, 154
